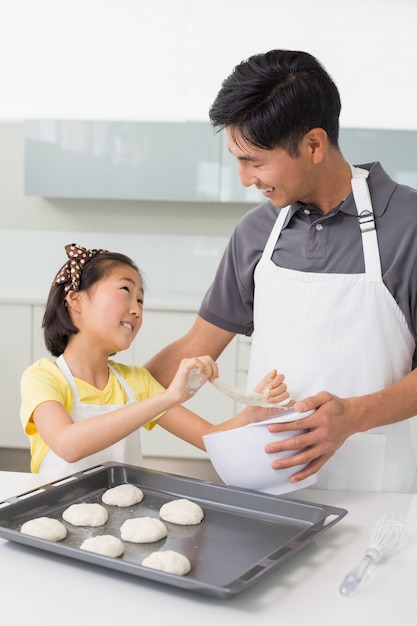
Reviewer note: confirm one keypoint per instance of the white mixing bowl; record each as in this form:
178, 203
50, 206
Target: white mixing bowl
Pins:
239, 457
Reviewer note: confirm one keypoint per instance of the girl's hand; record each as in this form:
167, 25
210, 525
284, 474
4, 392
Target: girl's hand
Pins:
184, 386
273, 388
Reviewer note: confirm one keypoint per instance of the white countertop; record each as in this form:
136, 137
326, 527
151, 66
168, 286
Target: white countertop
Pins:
44, 588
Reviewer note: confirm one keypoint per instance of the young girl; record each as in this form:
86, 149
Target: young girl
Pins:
94, 310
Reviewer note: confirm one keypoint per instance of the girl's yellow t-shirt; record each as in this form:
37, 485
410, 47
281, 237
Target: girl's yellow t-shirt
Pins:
43, 381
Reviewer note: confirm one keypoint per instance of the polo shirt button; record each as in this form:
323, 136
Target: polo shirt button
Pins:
307, 211
319, 226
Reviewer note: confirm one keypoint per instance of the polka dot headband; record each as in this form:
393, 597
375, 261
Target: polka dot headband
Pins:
70, 273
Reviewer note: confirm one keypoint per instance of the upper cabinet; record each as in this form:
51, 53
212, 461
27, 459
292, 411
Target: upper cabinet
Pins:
395, 149
176, 161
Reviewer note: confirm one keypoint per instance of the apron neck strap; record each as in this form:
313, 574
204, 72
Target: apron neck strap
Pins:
63, 366
275, 233
366, 221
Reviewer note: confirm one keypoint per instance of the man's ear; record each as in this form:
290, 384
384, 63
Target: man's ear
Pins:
317, 141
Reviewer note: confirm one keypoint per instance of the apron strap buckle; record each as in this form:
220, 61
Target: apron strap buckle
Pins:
366, 221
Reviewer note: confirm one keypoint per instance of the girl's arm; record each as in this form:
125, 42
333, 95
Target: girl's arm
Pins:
190, 427
74, 441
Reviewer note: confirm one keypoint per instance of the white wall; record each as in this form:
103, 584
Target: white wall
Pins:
165, 59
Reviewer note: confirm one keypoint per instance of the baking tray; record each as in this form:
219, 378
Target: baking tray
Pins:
244, 534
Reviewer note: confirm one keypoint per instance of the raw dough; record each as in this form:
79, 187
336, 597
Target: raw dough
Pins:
45, 528
168, 561
181, 511
107, 545
85, 514
143, 530
122, 495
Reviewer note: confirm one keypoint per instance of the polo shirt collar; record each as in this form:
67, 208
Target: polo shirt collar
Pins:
381, 188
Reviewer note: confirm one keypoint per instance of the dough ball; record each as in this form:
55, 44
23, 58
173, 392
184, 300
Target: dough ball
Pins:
168, 561
85, 514
181, 511
107, 545
143, 530
122, 495
45, 528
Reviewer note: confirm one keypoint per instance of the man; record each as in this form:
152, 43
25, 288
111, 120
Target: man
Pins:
323, 275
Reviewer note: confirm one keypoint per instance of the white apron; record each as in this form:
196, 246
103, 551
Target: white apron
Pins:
344, 333
127, 450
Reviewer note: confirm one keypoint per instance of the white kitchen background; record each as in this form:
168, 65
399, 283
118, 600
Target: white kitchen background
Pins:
165, 59
161, 60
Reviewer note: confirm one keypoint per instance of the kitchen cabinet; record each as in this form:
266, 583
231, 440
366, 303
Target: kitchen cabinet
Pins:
243, 348
124, 160
15, 354
170, 161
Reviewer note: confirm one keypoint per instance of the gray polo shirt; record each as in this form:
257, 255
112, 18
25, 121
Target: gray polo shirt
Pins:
312, 242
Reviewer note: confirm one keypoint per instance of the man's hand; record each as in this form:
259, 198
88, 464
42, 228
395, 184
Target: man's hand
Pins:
328, 427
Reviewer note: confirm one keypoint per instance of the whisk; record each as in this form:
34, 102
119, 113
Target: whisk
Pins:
386, 535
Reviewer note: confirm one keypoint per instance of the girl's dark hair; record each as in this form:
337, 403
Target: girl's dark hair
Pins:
57, 325
273, 99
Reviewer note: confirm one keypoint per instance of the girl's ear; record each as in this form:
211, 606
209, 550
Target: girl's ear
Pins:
73, 300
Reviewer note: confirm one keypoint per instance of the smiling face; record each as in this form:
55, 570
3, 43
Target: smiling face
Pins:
109, 314
282, 178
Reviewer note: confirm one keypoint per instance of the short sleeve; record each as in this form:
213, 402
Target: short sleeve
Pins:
39, 383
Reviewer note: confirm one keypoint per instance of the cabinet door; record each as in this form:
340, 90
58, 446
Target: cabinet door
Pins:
243, 347
102, 159
159, 329
15, 355
38, 344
